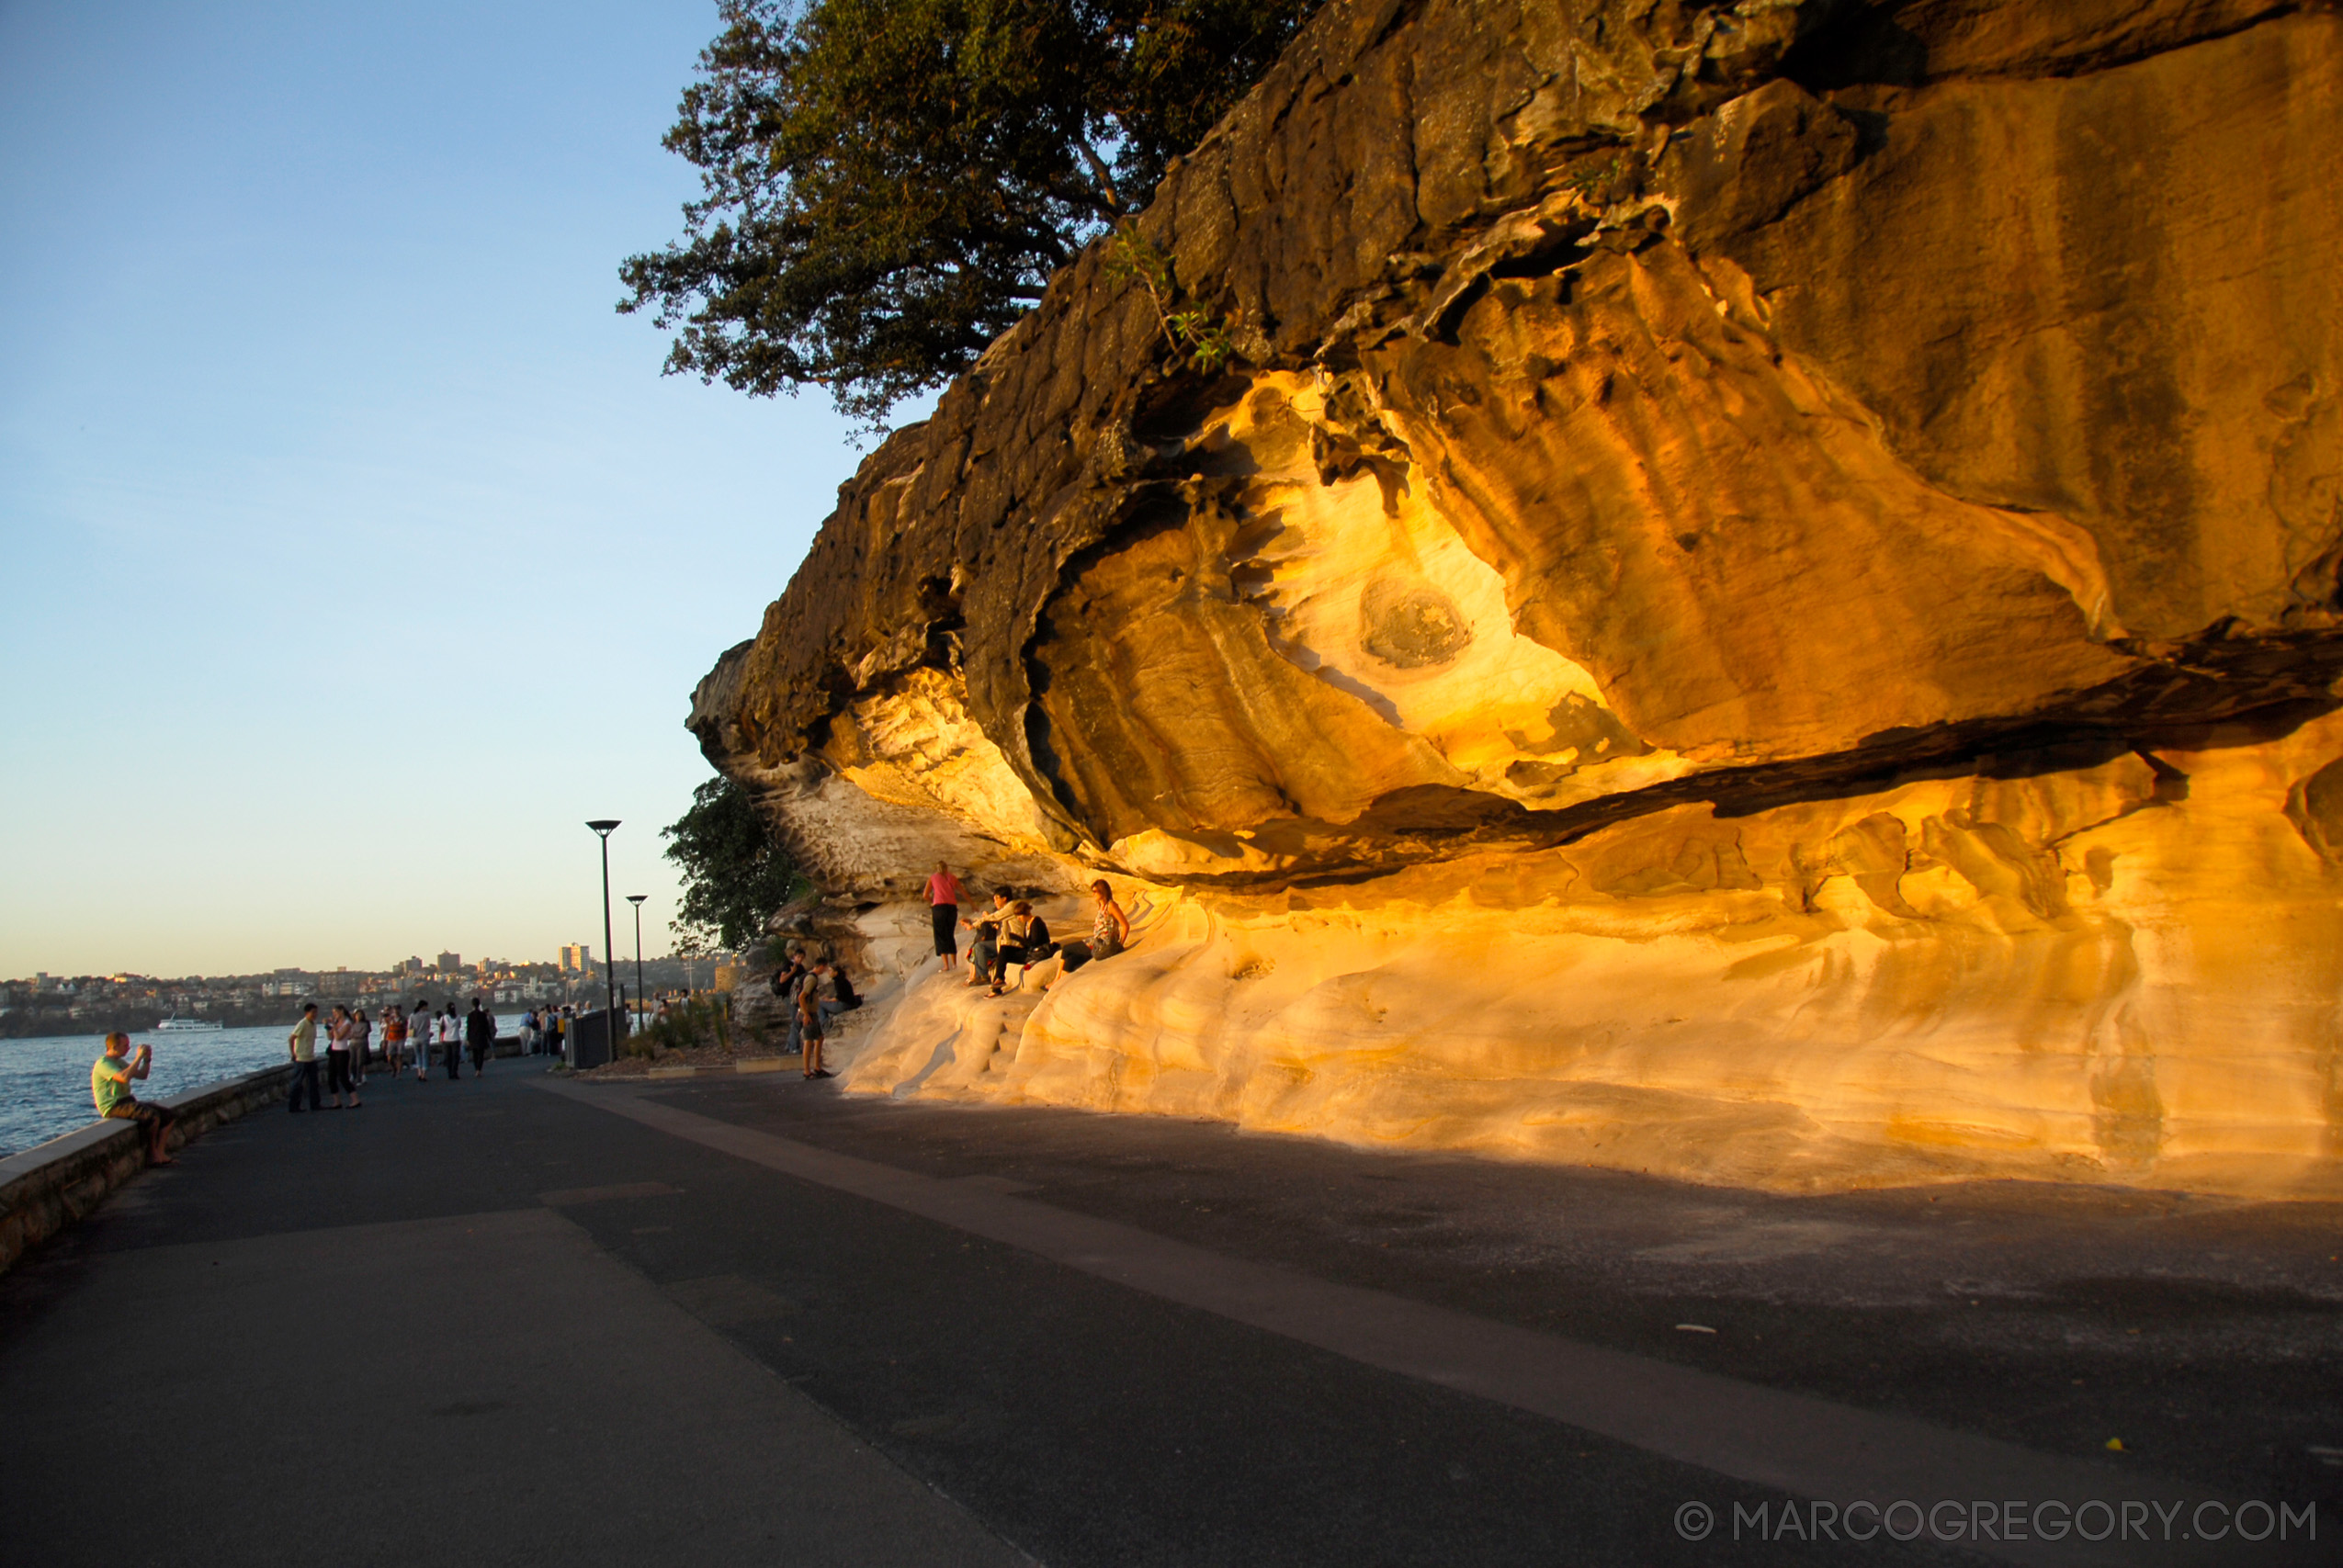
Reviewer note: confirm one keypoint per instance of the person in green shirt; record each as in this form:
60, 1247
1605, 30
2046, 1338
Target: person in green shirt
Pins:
110, 1087
302, 1043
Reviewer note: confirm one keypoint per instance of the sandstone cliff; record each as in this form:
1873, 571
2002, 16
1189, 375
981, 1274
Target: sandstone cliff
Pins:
1761, 600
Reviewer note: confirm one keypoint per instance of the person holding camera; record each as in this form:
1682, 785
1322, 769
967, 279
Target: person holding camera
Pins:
109, 1086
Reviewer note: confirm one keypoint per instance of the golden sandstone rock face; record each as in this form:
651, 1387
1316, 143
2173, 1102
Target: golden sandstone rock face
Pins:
1760, 602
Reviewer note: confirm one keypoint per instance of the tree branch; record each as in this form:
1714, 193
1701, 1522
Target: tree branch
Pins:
1098, 173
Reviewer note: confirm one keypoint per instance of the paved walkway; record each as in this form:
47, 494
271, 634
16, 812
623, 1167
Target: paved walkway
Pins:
522, 1321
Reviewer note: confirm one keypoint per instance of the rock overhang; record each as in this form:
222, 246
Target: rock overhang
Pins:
1660, 433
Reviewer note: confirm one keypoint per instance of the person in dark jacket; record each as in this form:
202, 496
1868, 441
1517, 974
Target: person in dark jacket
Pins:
786, 982
480, 1033
1024, 941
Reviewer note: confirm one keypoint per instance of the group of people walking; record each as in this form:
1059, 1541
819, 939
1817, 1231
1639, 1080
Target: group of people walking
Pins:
1010, 933
412, 1039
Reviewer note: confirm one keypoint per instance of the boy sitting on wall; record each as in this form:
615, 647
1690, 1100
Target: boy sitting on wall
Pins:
109, 1086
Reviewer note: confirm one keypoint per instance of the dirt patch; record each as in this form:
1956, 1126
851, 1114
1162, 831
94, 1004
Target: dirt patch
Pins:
707, 1058
844, 1028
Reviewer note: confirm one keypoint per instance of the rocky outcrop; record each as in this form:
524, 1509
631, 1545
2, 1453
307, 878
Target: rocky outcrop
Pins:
1761, 599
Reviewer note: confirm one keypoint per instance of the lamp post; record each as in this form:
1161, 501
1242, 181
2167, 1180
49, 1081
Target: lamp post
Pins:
636, 899
609, 992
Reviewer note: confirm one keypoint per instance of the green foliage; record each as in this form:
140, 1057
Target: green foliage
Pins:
736, 874
888, 184
1585, 180
702, 1020
1203, 337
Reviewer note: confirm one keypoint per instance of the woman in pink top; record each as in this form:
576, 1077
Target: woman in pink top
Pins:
338, 1035
943, 908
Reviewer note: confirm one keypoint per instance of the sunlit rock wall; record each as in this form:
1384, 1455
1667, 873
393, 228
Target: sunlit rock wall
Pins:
1761, 603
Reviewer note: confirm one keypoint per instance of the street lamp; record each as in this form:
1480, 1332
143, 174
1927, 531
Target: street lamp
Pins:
636, 899
609, 995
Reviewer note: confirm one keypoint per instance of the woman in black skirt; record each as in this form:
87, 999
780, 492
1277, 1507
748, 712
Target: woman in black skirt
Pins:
943, 908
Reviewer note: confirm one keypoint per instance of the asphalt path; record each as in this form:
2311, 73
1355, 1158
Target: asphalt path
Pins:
525, 1321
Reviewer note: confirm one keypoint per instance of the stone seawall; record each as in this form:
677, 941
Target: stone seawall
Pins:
52, 1185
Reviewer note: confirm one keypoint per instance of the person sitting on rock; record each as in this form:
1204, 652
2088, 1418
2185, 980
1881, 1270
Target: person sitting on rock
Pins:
984, 946
1110, 930
109, 1086
1024, 941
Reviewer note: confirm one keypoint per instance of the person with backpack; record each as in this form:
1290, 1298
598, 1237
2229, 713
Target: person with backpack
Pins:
818, 1003
784, 985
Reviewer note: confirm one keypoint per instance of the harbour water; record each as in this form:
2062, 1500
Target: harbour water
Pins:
44, 1082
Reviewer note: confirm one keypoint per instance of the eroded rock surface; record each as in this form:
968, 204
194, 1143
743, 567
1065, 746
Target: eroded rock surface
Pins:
1761, 601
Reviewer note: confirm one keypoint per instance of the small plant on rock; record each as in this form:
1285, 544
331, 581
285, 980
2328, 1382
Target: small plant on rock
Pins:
1202, 336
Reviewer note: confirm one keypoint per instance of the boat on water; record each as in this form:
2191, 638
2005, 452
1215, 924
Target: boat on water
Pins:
174, 1024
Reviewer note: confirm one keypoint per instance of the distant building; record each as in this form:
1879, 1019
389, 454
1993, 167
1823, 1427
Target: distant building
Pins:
577, 958
450, 962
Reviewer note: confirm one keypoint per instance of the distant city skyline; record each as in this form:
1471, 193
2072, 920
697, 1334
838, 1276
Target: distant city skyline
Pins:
387, 971
43, 1005
563, 962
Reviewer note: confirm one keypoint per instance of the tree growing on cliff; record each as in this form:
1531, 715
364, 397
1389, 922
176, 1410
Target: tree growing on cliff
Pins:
736, 874
888, 184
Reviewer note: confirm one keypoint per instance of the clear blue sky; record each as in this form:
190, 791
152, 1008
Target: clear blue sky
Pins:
353, 551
